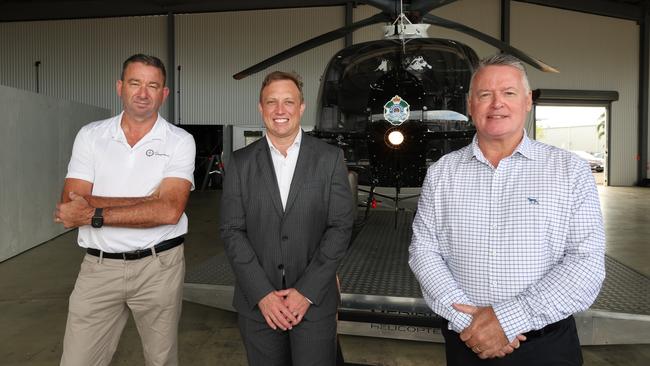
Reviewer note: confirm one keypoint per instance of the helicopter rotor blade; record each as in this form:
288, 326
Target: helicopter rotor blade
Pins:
386, 6
425, 6
311, 43
434, 20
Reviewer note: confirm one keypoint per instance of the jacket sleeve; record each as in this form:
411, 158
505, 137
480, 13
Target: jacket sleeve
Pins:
250, 275
335, 240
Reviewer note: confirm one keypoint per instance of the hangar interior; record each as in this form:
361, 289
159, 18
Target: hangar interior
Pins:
58, 67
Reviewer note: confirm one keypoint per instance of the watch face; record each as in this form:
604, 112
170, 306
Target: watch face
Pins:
97, 222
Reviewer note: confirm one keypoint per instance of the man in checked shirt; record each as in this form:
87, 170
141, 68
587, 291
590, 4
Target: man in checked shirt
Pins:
508, 239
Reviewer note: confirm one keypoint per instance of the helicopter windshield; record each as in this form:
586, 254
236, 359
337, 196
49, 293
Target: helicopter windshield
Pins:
430, 76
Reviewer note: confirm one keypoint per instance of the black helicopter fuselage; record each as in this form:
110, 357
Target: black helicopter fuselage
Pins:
415, 91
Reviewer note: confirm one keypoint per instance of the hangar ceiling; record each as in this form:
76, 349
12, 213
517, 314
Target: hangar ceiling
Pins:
26, 10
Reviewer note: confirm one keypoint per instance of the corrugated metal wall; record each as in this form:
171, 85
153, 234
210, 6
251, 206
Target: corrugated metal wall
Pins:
80, 59
213, 47
592, 53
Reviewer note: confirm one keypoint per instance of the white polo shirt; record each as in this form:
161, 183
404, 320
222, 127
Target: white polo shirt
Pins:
102, 156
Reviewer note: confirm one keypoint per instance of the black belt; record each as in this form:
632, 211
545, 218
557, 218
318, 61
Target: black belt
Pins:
548, 329
141, 253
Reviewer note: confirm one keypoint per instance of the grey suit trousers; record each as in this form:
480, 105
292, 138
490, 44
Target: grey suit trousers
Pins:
310, 343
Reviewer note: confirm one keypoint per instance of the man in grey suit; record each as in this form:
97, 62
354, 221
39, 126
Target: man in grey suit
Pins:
287, 217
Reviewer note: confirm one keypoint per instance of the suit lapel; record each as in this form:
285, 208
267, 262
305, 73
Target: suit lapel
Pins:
305, 156
265, 166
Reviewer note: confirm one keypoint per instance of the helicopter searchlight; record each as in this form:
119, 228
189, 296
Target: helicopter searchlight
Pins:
395, 138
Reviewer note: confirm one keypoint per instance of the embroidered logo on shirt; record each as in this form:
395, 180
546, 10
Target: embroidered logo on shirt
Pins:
533, 201
150, 153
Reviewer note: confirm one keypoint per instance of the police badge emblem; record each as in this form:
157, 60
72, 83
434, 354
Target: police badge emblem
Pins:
396, 111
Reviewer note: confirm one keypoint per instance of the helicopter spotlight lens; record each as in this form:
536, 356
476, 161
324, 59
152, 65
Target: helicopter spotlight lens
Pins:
396, 138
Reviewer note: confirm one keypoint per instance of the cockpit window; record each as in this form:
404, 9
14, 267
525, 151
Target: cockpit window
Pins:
431, 75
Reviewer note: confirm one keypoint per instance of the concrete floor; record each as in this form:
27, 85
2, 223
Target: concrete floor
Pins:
34, 289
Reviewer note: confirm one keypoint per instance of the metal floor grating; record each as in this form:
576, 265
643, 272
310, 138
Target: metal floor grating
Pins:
377, 260
214, 271
624, 290
376, 264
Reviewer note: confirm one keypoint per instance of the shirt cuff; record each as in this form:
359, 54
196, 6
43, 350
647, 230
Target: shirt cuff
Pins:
459, 322
512, 317
309, 301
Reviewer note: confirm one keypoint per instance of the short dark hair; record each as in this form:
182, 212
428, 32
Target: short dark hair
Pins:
281, 75
147, 60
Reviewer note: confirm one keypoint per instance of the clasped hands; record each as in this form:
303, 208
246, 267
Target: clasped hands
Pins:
283, 309
484, 336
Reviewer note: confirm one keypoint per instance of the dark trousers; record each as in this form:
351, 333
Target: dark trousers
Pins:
557, 344
310, 343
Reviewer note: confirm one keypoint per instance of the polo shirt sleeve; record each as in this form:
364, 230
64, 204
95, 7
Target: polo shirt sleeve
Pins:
81, 164
181, 164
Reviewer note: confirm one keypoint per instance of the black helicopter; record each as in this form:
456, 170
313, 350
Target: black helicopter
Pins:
396, 105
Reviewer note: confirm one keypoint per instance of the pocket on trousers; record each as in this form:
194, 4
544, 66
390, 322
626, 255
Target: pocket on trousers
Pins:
88, 264
171, 258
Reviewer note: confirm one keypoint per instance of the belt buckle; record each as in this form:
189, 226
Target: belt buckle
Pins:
135, 254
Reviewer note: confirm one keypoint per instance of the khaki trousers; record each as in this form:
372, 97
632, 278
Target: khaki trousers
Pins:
106, 289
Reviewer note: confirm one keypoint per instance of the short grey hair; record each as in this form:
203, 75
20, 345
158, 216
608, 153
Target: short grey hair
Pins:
501, 59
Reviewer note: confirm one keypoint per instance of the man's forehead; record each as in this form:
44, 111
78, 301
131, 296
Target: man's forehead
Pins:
501, 74
139, 68
276, 91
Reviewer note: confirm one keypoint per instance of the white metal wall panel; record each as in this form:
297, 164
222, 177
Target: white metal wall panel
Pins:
592, 53
213, 47
34, 158
80, 59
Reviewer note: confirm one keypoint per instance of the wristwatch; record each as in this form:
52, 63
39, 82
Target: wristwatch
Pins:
98, 218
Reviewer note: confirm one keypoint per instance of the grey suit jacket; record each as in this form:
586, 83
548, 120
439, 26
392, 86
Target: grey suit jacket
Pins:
308, 239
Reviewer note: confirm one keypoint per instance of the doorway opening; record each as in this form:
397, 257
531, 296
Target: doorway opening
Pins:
579, 129
578, 121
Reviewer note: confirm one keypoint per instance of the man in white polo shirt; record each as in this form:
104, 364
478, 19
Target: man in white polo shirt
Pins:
128, 181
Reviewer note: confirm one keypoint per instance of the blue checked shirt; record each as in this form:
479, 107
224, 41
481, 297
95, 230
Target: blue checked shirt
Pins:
526, 238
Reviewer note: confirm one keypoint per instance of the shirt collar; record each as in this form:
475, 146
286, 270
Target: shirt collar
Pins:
524, 148
295, 144
157, 131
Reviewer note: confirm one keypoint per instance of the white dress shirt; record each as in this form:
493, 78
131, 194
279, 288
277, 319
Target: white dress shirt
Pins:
285, 166
526, 238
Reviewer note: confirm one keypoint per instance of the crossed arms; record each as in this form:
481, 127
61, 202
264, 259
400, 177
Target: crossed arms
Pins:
163, 207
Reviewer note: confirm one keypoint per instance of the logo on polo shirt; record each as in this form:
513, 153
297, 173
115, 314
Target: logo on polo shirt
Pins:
151, 152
